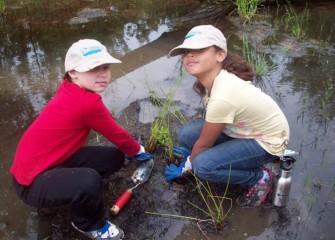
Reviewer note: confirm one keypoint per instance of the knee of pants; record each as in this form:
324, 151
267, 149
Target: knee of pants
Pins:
91, 185
200, 168
189, 133
186, 137
182, 137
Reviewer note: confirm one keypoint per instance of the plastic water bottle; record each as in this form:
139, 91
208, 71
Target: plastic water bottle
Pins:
283, 185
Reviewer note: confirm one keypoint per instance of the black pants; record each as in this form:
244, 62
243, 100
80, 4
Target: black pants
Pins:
77, 182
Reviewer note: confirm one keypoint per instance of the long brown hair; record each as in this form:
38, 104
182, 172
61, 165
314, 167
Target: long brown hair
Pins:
233, 63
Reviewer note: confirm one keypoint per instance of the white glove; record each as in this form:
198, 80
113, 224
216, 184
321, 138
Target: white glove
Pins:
142, 150
188, 165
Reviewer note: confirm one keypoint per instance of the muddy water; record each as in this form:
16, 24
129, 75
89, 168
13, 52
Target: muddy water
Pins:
140, 33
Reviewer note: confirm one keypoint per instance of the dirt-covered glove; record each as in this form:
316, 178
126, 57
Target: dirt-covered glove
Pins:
181, 152
141, 155
173, 172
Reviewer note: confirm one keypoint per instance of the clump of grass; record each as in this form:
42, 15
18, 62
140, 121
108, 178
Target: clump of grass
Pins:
260, 61
296, 23
213, 203
160, 135
160, 129
247, 8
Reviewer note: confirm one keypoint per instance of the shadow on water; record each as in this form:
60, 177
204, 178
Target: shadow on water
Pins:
34, 38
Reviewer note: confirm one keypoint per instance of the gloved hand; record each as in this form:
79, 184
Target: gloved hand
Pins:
173, 172
181, 152
141, 155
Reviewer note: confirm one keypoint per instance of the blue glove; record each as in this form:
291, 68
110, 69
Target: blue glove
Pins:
181, 152
141, 155
173, 172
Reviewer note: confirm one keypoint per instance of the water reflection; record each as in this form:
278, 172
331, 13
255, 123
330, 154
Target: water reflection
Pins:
34, 38
135, 38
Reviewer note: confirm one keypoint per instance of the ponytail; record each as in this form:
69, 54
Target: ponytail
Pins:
239, 66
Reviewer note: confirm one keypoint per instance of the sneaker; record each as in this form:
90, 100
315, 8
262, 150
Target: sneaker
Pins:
108, 232
257, 194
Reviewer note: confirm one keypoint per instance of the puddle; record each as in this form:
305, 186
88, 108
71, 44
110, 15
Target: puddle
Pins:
141, 33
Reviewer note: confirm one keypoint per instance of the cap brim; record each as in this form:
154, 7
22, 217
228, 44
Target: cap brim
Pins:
95, 63
180, 49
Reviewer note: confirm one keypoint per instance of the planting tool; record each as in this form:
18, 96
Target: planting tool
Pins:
140, 175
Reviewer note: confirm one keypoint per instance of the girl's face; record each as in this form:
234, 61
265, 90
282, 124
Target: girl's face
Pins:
201, 62
95, 80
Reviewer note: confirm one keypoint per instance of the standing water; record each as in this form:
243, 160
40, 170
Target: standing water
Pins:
34, 39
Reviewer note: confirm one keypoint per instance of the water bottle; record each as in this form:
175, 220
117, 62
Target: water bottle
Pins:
283, 185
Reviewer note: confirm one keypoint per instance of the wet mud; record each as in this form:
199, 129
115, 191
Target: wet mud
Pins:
159, 209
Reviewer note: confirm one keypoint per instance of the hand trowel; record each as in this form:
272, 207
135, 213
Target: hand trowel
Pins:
140, 175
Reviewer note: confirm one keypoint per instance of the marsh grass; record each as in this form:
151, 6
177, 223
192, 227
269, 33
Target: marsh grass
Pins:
309, 197
214, 204
260, 61
296, 23
215, 210
160, 131
325, 43
2, 6
161, 135
247, 9
327, 99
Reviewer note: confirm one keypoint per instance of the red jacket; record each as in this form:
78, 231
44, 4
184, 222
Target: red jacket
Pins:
62, 129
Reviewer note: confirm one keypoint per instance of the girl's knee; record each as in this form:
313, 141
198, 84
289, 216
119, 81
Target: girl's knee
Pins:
92, 183
200, 168
182, 136
189, 134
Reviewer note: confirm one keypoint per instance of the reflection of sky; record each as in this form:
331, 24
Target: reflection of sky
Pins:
35, 58
131, 35
135, 86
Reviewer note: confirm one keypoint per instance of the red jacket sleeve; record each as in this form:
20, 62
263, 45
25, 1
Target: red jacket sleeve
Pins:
96, 116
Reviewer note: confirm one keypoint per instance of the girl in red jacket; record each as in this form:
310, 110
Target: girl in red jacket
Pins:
51, 165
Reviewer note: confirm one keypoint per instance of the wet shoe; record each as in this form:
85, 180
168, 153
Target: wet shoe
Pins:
257, 194
108, 232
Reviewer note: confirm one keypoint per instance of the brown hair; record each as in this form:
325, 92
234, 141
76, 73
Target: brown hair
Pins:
67, 77
233, 63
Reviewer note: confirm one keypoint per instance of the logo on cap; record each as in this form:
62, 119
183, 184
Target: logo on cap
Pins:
192, 34
90, 50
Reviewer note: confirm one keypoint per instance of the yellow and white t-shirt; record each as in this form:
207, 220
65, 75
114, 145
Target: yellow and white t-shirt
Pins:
247, 113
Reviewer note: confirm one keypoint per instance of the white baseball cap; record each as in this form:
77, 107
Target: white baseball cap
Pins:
199, 37
87, 54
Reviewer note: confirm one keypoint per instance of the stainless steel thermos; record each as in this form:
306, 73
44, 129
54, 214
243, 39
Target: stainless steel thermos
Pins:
282, 187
